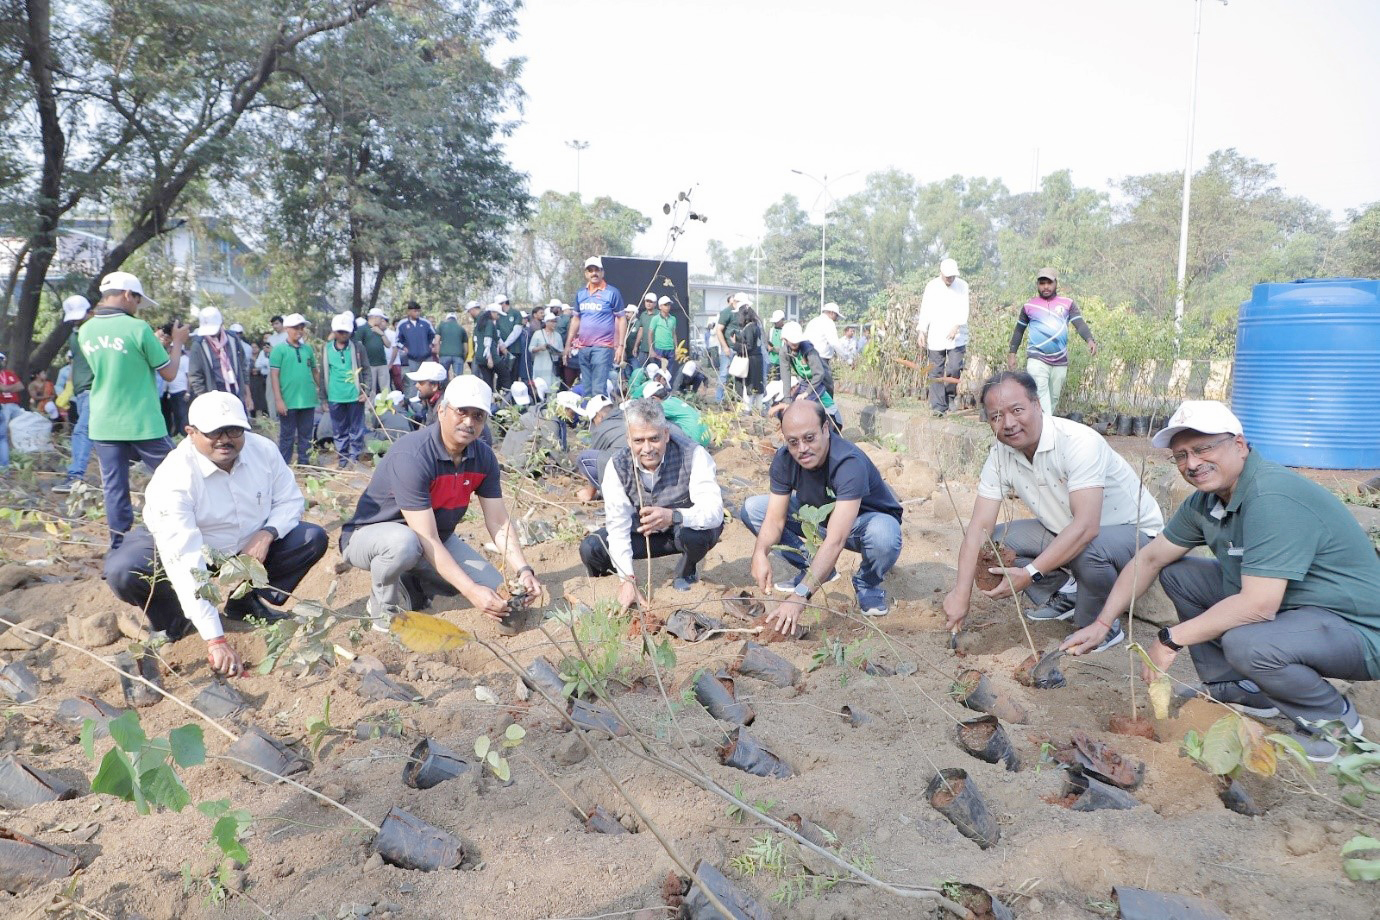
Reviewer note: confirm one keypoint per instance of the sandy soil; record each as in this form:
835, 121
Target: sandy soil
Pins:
528, 855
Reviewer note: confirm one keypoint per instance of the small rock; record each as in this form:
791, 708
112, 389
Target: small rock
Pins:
362, 910
1034, 906
93, 631
373, 862
283, 870
16, 640
391, 907
334, 791
1303, 837
13, 575
570, 752
406, 888
130, 622
235, 880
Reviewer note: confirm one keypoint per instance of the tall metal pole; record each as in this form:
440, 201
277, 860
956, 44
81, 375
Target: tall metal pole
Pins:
1188, 174
578, 147
824, 223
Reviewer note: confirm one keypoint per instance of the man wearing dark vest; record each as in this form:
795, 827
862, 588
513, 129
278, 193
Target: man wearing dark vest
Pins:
662, 486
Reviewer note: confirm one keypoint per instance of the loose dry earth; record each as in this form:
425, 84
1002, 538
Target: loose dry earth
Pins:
529, 855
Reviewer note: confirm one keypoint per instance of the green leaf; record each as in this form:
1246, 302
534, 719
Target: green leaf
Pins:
1292, 747
1222, 746
1366, 867
126, 732
215, 808
188, 746
515, 733
88, 738
500, 767
481, 746
162, 786
226, 834
115, 776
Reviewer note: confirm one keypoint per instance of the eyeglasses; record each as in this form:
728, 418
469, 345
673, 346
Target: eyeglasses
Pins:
593, 268
228, 433
807, 440
1180, 457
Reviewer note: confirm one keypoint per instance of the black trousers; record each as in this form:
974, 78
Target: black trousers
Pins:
129, 567
693, 545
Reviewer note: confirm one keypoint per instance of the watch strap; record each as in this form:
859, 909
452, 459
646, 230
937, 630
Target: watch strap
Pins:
1034, 573
1167, 640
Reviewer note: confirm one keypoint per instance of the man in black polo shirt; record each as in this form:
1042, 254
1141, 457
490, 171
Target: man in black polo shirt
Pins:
816, 468
404, 524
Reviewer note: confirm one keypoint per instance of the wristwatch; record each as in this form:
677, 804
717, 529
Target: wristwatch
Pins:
1036, 576
1167, 640
803, 591
677, 518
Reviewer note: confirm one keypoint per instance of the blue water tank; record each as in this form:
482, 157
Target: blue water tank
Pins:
1307, 369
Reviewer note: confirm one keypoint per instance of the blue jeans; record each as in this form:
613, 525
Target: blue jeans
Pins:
81, 437
595, 364
115, 458
347, 421
875, 536
7, 412
296, 427
725, 357
454, 365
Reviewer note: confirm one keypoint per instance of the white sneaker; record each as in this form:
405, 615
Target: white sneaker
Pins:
379, 621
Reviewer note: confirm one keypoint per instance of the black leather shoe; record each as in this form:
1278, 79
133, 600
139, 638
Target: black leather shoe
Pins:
251, 605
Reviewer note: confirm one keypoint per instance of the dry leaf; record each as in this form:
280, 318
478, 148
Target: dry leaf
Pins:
422, 632
1161, 692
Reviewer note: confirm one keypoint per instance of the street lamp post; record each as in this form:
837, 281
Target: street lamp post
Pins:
1188, 172
578, 147
824, 221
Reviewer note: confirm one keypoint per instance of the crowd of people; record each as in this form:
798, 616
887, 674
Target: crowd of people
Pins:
1284, 602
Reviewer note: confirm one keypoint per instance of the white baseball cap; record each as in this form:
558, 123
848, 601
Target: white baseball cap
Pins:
342, 322
651, 388
501, 299
469, 392
567, 308
521, 395
74, 308
594, 261
568, 399
378, 312
663, 300
539, 389
650, 296
555, 303
124, 281
473, 305
428, 372
236, 327
294, 319
773, 391
744, 300
948, 268
216, 410
1205, 416
777, 316
830, 307
494, 308
396, 397
689, 368
209, 321
792, 333
592, 407
630, 309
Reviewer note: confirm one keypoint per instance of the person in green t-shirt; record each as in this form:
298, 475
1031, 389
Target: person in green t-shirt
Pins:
1288, 600
342, 363
725, 330
377, 377
454, 344
778, 319
293, 381
508, 324
640, 331
126, 419
679, 412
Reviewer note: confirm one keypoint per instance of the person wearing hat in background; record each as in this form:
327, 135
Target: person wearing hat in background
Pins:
486, 338
545, 348
823, 332
393, 421
804, 372
454, 345
173, 394
216, 360
429, 379
608, 432
508, 327
597, 330
778, 320
689, 379
849, 341
1091, 512
414, 339
632, 328
227, 489
237, 330
661, 498
942, 332
637, 346
403, 528
661, 330
568, 374
747, 342
293, 382
725, 328
372, 335
126, 420
818, 467
75, 310
678, 412
1288, 599
342, 363
475, 310
1047, 356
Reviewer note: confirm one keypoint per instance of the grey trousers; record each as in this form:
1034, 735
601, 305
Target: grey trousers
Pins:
944, 363
378, 380
1096, 568
1288, 656
391, 550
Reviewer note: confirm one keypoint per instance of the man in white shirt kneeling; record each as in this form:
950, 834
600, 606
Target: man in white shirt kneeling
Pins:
222, 488
660, 499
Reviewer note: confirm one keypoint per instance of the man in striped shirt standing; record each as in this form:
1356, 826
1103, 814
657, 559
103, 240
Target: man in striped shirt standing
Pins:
1047, 355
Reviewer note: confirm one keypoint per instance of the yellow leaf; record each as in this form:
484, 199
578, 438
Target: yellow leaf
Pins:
1258, 754
422, 632
1161, 692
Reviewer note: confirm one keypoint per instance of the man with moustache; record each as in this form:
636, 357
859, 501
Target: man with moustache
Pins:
818, 467
660, 499
1091, 511
1288, 599
1048, 316
404, 525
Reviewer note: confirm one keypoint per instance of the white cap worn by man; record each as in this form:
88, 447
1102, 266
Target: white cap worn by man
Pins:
823, 333
209, 322
124, 281
594, 262
74, 308
777, 316
341, 322
942, 323
293, 320
427, 372
1205, 416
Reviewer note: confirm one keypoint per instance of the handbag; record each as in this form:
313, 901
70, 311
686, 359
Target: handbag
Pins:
738, 367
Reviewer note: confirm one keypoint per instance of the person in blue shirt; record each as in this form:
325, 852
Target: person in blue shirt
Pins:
414, 338
598, 329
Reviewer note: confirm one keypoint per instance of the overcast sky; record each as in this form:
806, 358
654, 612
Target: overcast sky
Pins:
727, 96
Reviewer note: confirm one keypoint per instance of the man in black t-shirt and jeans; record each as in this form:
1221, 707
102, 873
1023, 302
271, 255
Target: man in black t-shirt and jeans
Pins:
817, 467
403, 528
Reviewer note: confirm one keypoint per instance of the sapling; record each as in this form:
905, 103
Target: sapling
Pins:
489, 755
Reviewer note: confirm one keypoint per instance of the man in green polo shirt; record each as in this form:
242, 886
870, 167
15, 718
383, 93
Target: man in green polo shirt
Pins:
293, 382
454, 344
377, 378
725, 330
126, 420
1292, 597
